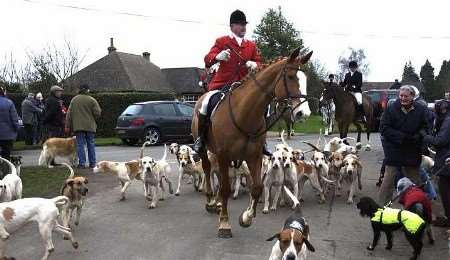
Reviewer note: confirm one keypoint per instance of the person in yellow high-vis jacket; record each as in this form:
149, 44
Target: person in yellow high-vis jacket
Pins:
389, 220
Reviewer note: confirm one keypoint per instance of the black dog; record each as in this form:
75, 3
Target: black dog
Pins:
412, 224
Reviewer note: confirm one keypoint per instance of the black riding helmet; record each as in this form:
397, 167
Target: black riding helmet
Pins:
353, 64
238, 17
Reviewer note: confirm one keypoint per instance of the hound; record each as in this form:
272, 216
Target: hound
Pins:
350, 173
17, 161
75, 189
290, 171
335, 164
125, 171
320, 168
190, 167
293, 240
274, 178
153, 173
11, 185
16, 214
59, 147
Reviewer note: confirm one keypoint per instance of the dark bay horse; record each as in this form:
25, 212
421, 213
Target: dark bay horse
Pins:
346, 111
237, 131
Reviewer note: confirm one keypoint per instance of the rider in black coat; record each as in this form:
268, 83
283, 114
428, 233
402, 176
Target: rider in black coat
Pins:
353, 83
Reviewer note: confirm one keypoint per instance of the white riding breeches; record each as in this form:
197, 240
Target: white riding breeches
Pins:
205, 101
358, 97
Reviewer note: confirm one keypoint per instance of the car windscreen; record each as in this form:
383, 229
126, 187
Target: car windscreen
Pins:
132, 110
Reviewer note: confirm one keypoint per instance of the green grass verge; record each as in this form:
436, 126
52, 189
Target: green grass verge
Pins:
20, 145
42, 181
311, 126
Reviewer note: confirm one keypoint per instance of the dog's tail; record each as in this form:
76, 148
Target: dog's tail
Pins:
282, 138
72, 173
327, 180
142, 149
165, 153
293, 198
11, 166
60, 200
43, 156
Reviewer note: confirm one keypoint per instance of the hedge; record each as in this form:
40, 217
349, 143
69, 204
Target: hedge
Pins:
112, 104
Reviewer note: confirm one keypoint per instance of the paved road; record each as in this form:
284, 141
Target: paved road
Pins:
180, 228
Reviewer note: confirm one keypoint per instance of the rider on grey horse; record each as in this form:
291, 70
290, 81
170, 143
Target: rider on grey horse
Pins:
353, 83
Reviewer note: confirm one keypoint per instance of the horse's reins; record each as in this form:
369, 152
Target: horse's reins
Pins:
271, 95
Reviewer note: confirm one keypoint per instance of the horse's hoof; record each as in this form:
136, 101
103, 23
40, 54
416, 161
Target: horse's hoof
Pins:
122, 198
224, 233
75, 245
242, 222
234, 197
265, 211
177, 194
65, 238
211, 208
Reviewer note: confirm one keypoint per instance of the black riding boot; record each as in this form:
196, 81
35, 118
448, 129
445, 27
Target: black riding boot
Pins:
199, 144
360, 111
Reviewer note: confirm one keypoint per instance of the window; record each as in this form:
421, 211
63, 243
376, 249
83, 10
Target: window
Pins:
132, 110
186, 110
164, 110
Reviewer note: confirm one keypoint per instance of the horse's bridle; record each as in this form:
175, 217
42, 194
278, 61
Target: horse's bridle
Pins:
287, 101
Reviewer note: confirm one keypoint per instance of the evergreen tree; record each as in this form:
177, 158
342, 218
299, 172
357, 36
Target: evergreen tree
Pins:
443, 80
409, 74
427, 78
275, 36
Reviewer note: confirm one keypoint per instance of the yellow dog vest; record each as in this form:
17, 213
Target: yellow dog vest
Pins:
411, 221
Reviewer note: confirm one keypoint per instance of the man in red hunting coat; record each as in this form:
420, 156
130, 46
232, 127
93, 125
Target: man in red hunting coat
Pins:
232, 57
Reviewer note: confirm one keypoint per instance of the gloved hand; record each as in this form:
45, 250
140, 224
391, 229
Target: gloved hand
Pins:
447, 161
251, 65
223, 55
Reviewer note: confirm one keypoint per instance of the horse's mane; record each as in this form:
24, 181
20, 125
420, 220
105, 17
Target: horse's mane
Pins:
261, 68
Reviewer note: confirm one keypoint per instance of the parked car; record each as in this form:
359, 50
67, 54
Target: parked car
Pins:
380, 98
155, 121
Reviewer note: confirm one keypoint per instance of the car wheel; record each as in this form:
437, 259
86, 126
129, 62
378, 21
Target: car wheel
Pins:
153, 136
129, 141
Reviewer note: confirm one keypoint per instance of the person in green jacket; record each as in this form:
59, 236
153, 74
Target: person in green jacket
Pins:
81, 116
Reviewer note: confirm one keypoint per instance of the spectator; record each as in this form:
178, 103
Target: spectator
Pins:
9, 124
399, 127
83, 111
30, 114
441, 142
54, 113
396, 85
39, 128
447, 96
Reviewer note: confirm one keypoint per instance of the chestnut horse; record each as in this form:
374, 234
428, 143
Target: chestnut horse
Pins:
237, 131
345, 111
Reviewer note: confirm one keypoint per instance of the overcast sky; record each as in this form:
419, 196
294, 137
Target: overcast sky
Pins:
180, 33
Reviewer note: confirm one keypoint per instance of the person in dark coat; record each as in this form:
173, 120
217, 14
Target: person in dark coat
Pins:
30, 118
39, 102
9, 124
400, 129
352, 83
440, 140
54, 113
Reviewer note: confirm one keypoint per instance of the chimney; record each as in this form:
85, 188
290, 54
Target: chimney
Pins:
146, 55
111, 48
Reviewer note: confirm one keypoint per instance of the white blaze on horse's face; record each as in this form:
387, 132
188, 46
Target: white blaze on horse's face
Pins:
303, 111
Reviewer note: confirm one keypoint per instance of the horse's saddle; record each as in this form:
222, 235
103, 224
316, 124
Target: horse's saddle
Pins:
216, 99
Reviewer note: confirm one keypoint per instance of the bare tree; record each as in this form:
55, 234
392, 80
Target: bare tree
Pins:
357, 55
60, 62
